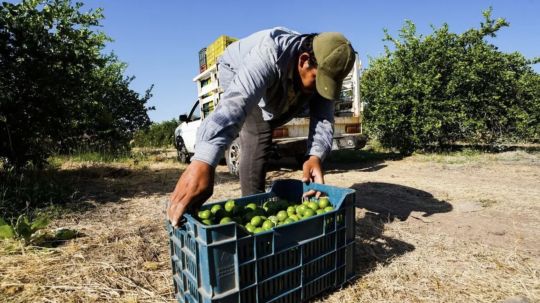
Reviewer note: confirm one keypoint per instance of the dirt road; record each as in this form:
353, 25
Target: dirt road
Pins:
436, 228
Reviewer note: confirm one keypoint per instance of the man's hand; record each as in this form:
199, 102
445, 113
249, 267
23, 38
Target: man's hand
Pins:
195, 186
312, 173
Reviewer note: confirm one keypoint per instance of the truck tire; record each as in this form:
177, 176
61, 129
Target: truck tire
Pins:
181, 151
232, 157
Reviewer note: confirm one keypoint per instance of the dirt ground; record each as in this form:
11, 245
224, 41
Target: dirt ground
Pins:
430, 228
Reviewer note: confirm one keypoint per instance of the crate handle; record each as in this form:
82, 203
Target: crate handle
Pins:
294, 189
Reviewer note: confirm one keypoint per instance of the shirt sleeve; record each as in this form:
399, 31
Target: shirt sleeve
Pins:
321, 127
249, 82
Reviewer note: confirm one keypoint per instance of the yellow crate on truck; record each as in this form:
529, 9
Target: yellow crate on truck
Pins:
214, 50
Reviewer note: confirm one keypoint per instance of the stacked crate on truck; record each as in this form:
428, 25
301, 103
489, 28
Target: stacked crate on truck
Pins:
207, 81
214, 50
202, 60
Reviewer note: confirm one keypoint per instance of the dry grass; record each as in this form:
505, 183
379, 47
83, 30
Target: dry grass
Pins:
484, 253
438, 268
122, 257
477, 157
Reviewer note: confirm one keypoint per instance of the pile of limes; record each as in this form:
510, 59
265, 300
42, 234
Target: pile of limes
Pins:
273, 213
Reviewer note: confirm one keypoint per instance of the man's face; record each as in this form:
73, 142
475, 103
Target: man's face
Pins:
307, 73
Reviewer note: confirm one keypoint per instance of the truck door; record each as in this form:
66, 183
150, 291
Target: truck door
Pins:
189, 129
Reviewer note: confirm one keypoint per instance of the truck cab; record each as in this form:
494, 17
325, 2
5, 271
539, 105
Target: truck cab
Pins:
186, 133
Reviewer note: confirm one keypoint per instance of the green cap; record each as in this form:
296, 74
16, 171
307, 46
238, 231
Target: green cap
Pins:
335, 59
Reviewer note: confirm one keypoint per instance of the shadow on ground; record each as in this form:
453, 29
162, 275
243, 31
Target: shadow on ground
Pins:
393, 201
114, 184
382, 203
341, 161
84, 188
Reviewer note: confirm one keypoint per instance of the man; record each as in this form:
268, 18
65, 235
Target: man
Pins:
266, 78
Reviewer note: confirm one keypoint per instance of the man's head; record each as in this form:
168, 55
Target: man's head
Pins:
324, 61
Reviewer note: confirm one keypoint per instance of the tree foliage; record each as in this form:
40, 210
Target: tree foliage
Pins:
58, 90
157, 135
445, 87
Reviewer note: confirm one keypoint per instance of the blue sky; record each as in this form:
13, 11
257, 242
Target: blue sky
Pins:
160, 40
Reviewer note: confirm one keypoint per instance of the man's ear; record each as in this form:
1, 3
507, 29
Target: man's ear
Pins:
303, 59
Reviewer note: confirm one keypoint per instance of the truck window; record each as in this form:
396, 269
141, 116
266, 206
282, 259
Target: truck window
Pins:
195, 113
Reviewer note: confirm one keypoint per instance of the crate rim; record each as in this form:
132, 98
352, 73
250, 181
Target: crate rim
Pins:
191, 218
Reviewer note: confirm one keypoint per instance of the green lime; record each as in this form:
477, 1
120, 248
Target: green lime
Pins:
294, 217
308, 213
320, 211
251, 206
274, 219
268, 225
258, 230
204, 214
300, 209
250, 227
248, 216
313, 205
229, 205
256, 221
216, 209
291, 210
282, 215
323, 202
289, 221
225, 220
207, 222
329, 208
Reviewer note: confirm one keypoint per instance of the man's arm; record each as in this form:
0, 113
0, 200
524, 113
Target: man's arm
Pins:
220, 128
321, 131
321, 127
243, 93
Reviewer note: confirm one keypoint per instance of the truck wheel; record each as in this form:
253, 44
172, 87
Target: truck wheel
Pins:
181, 151
232, 157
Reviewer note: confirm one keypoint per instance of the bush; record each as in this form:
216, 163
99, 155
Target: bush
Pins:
57, 90
157, 135
429, 92
25, 192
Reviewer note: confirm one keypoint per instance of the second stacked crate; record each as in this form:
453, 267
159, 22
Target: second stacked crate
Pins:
214, 50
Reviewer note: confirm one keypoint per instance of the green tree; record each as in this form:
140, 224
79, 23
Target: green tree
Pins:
157, 135
428, 92
57, 88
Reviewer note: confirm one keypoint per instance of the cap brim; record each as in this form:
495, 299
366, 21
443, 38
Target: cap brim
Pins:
327, 87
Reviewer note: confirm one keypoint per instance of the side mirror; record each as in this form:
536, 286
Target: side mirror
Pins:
183, 118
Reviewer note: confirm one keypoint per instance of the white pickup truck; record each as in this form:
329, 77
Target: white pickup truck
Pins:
289, 140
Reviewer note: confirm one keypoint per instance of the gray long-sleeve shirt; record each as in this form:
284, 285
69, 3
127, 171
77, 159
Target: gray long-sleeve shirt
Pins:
255, 71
